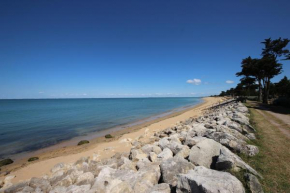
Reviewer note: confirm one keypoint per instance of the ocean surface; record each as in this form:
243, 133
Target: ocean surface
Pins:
31, 124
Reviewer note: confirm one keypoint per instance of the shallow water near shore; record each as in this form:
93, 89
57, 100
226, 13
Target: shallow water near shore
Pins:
29, 125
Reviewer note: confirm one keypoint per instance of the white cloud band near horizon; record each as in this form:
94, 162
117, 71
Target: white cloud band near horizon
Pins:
229, 82
194, 81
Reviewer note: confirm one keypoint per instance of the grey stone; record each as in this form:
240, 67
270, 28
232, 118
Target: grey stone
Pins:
170, 168
253, 183
203, 180
160, 188
40, 183
85, 178
165, 154
204, 153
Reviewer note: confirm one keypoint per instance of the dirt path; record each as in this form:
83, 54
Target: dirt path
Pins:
273, 161
279, 120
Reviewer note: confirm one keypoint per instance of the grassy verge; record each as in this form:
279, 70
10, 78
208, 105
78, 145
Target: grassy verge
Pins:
273, 161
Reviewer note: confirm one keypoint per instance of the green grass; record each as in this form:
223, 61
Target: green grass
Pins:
273, 161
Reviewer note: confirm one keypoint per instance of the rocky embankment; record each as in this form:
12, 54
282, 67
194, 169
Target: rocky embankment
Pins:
197, 155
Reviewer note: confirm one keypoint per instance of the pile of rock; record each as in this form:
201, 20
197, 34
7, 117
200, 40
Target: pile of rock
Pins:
193, 156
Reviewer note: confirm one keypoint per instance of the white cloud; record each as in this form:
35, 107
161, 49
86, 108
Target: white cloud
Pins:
40, 92
194, 81
229, 82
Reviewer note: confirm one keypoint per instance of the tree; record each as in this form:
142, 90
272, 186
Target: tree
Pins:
273, 51
283, 87
252, 68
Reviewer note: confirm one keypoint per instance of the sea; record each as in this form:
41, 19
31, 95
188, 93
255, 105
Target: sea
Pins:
31, 124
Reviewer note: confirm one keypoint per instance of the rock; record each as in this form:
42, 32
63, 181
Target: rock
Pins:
163, 143
26, 189
78, 189
203, 180
147, 148
190, 142
153, 157
40, 183
165, 154
184, 152
252, 150
160, 188
171, 167
65, 182
243, 109
58, 189
142, 163
251, 136
156, 149
16, 188
235, 126
85, 178
57, 167
137, 154
128, 164
224, 162
227, 140
228, 156
5, 162
74, 174
82, 160
204, 153
174, 147
253, 183
122, 187
197, 129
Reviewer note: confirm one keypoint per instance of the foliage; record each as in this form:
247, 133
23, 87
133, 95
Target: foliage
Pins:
6, 162
108, 136
33, 159
83, 142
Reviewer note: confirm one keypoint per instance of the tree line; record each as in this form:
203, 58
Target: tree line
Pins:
256, 73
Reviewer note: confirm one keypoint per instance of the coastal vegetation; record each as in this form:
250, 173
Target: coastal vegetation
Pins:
82, 142
108, 136
33, 159
5, 162
257, 73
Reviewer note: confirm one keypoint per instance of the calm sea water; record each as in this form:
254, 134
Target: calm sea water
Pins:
27, 125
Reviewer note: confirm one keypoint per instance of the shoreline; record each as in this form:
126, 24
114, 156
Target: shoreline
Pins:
100, 145
101, 133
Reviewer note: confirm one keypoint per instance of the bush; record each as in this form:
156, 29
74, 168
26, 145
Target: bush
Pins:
108, 136
5, 162
282, 101
83, 142
33, 159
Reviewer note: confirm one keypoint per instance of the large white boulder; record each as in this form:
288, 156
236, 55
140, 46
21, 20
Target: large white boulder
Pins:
203, 180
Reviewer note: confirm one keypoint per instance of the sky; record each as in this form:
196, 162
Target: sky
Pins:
152, 48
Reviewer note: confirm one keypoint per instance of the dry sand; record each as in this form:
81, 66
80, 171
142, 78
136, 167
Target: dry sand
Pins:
105, 148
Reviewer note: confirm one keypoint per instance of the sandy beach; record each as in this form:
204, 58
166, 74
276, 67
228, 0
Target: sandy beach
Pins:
69, 152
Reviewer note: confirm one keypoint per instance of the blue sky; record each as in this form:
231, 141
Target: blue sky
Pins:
64, 49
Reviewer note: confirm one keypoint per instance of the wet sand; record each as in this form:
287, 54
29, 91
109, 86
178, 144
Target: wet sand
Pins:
69, 152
